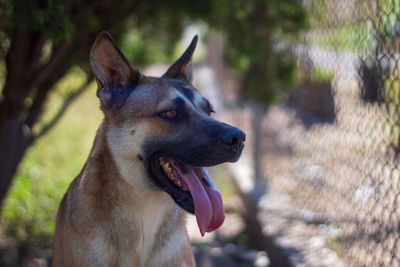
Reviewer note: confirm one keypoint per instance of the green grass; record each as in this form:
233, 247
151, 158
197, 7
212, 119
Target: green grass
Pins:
50, 164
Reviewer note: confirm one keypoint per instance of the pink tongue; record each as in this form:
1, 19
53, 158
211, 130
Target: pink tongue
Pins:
208, 205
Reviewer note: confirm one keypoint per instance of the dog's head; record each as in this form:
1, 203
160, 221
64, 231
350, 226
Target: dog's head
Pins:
161, 129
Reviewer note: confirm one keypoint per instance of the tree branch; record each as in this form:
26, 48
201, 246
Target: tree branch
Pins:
58, 54
67, 102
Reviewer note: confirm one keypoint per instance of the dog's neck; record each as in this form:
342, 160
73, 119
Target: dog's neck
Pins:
148, 216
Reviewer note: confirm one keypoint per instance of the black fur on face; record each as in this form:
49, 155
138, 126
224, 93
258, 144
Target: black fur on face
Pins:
199, 143
196, 138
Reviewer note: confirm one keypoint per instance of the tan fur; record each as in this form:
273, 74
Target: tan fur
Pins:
112, 223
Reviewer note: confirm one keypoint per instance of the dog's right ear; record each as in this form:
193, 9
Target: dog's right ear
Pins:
182, 68
111, 69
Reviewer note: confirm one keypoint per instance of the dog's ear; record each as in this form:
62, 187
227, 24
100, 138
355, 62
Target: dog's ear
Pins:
182, 68
111, 69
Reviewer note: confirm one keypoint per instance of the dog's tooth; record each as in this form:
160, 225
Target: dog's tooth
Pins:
178, 183
166, 165
171, 176
166, 168
184, 188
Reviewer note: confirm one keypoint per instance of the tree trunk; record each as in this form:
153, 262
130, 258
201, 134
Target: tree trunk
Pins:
15, 138
258, 113
260, 182
255, 233
16, 121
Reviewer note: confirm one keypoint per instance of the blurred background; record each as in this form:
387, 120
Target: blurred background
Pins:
314, 83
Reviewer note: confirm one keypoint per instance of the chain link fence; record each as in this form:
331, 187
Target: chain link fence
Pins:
336, 149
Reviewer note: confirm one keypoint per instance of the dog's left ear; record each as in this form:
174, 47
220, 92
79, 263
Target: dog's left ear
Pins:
113, 72
182, 68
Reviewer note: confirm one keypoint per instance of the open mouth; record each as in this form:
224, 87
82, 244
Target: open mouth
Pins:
192, 189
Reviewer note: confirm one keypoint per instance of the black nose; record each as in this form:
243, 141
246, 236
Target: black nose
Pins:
234, 138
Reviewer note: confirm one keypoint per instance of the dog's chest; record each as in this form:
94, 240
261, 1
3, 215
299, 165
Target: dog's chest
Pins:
162, 238
154, 238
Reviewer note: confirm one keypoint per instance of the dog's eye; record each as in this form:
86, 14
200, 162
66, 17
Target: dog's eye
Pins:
169, 114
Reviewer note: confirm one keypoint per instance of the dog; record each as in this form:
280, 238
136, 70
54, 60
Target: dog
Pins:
146, 169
